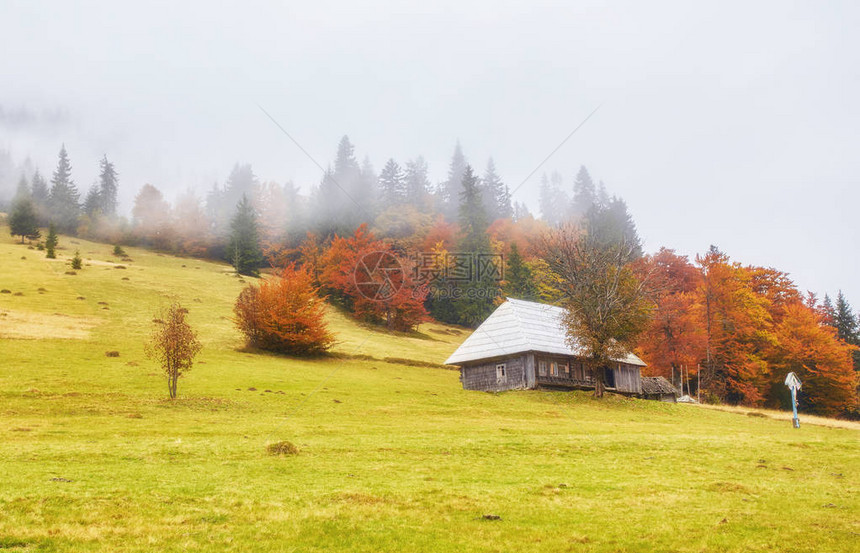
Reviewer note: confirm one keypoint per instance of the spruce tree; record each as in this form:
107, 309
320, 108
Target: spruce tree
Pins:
23, 190
519, 280
364, 193
602, 199
473, 214
345, 195
478, 292
612, 225
41, 196
505, 203
497, 196
584, 193
244, 249
93, 202
452, 189
417, 183
77, 262
392, 184
22, 219
108, 188
51, 242
521, 211
845, 321
64, 198
560, 198
547, 202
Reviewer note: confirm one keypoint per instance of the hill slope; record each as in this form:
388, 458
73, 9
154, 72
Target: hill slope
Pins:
393, 457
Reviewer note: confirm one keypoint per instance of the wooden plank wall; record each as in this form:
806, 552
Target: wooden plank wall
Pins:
483, 376
627, 379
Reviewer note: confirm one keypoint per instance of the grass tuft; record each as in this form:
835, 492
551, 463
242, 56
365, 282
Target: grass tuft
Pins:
282, 448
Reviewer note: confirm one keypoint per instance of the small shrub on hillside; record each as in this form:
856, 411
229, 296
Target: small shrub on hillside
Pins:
282, 448
118, 251
284, 314
112, 354
173, 344
51, 242
77, 262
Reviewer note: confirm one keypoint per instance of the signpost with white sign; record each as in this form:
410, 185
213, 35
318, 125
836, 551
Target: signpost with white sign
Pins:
793, 384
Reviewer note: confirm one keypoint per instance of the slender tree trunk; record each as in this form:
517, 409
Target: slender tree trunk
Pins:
599, 385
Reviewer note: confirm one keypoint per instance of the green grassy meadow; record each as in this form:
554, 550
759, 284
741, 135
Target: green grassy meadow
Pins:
94, 457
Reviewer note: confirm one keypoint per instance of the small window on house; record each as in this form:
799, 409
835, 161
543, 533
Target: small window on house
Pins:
501, 372
565, 367
553, 368
542, 367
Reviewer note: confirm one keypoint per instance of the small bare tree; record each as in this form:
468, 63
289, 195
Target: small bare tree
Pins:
606, 306
173, 344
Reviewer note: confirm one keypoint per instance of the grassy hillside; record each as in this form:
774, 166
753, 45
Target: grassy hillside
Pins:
393, 457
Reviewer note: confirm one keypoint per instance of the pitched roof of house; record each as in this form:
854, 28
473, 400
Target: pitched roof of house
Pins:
658, 385
519, 326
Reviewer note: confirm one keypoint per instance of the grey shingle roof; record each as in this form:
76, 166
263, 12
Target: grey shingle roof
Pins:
658, 385
518, 326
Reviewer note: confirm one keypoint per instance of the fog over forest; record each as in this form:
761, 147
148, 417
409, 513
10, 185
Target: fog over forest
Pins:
711, 130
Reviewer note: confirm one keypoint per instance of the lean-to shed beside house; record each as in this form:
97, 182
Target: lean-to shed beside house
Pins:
523, 344
657, 387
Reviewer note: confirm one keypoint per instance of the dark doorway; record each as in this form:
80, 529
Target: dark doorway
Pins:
609, 377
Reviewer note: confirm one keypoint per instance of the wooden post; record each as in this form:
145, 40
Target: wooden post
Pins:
795, 421
698, 383
794, 385
689, 390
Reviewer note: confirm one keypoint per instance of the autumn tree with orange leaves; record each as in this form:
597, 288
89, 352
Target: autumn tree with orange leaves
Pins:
284, 314
747, 327
674, 338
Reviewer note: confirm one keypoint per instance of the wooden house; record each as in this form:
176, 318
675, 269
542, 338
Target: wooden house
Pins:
523, 345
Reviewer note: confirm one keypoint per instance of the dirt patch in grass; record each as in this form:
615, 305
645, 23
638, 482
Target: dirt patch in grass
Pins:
355, 356
282, 448
357, 498
24, 325
197, 403
417, 363
728, 487
12, 543
779, 415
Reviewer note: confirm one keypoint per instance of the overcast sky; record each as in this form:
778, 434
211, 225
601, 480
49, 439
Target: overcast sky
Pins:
735, 124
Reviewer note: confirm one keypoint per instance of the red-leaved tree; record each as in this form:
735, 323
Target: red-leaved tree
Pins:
372, 281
